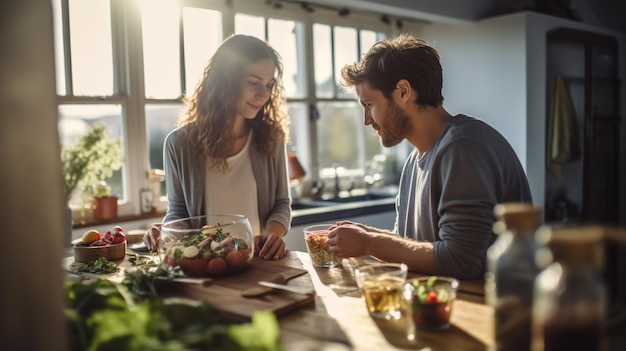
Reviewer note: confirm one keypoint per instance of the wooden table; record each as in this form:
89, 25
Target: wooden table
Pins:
339, 319
336, 317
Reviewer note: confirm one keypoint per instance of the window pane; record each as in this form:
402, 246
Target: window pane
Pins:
299, 132
59, 54
75, 120
203, 34
250, 25
340, 135
367, 39
286, 37
346, 51
160, 120
323, 61
161, 48
90, 39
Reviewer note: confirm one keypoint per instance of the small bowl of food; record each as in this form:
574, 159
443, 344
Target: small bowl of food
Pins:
207, 246
316, 239
430, 301
93, 245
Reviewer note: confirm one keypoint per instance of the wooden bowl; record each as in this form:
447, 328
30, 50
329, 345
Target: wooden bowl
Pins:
113, 252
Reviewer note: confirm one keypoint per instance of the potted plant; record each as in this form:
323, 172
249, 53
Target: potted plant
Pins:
104, 203
87, 164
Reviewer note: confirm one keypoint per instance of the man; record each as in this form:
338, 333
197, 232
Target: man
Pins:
459, 170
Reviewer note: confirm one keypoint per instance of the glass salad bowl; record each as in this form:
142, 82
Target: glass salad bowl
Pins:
207, 246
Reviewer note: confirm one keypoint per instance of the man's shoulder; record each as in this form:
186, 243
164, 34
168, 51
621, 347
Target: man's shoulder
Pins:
471, 128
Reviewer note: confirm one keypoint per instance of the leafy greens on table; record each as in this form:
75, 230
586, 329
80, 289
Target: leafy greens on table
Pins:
103, 315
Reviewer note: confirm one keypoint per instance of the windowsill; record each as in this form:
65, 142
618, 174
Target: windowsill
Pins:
89, 222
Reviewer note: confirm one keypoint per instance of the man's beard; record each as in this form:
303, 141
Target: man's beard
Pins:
395, 126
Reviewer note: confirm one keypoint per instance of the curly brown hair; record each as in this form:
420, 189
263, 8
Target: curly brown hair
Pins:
213, 103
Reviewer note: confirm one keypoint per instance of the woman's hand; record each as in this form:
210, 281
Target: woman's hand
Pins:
269, 246
151, 237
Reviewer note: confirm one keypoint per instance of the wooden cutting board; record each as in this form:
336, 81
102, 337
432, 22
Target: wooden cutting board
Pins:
225, 292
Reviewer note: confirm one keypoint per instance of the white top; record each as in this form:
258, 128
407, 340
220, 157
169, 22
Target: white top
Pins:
234, 191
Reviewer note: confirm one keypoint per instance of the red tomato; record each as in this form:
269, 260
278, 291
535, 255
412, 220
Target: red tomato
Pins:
182, 263
195, 267
245, 253
432, 297
216, 266
235, 259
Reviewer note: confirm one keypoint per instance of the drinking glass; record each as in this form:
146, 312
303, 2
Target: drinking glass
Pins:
381, 285
317, 246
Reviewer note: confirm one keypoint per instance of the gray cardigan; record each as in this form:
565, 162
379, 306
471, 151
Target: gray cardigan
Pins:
185, 176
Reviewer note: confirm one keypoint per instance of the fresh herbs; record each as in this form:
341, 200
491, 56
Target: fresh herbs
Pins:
98, 266
193, 239
144, 280
141, 260
103, 315
218, 236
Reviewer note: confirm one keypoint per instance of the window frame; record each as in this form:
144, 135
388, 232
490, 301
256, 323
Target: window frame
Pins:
129, 89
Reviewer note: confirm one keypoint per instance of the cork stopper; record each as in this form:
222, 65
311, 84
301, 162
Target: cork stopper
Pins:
580, 244
517, 216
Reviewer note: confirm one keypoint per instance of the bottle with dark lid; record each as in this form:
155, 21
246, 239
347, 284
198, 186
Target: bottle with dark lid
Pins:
570, 297
511, 273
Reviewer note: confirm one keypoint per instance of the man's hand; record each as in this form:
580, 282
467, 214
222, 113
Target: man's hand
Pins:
348, 240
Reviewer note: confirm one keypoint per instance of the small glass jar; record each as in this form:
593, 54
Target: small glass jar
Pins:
569, 306
511, 273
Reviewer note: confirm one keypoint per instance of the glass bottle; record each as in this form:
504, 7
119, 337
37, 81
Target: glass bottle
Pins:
569, 306
511, 273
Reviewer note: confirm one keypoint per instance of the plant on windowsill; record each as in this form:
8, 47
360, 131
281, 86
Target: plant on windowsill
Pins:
87, 164
104, 204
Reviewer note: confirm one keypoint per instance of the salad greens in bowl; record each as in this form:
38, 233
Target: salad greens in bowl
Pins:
207, 246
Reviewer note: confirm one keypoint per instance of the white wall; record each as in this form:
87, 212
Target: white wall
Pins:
485, 76
485, 73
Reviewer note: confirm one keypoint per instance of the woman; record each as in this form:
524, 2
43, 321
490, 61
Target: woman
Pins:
228, 152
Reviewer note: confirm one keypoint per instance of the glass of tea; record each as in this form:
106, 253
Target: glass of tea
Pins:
381, 285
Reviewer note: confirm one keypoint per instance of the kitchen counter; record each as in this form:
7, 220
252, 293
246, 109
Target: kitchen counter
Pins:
337, 210
305, 211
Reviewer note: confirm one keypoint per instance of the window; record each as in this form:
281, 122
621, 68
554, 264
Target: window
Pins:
129, 63
344, 146
166, 79
88, 78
